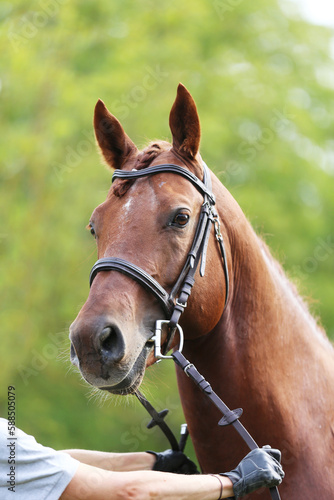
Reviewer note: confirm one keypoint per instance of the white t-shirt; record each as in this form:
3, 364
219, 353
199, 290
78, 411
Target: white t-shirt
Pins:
30, 471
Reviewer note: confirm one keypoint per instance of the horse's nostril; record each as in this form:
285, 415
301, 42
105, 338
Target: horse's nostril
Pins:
111, 344
108, 339
73, 356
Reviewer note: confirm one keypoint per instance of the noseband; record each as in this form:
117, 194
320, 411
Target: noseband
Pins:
174, 302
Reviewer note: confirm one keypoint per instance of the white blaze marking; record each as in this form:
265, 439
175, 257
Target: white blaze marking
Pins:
127, 206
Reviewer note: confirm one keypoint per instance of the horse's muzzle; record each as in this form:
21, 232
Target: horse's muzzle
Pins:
98, 350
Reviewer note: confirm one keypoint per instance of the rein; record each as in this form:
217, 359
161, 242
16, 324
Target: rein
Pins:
175, 302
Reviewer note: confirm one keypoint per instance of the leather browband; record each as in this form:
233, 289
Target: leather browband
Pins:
166, 167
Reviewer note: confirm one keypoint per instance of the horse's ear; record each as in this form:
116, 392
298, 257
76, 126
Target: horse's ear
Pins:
184, 124
115, 145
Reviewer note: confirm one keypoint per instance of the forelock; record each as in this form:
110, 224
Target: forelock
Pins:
143, 160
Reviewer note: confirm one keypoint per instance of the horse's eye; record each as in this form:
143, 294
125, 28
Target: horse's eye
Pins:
91, 229
181, 219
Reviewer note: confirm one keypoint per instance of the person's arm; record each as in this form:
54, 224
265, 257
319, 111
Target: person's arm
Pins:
114, 461
260, 468
93, 483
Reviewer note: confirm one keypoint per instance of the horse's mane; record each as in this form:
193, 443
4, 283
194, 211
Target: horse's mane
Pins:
143, 160
289, 286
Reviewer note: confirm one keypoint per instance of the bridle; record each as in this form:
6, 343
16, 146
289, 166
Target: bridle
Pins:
175, 302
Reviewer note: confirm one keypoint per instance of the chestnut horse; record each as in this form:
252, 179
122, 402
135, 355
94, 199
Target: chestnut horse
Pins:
262, 351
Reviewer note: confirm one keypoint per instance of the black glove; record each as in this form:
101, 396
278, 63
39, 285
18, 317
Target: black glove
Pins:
260, 468
174, 461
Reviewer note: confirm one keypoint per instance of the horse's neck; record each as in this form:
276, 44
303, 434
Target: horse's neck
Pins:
264, 306
266, 354
266, 330
266, 310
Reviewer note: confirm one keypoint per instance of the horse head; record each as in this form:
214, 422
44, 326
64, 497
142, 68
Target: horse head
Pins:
149, 222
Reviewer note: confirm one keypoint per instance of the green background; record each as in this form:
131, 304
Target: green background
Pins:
263, 81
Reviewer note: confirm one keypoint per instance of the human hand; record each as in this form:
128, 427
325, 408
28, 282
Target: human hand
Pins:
174, 461
260, 468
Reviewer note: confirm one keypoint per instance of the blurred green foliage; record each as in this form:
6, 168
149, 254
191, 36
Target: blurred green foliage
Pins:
263, 81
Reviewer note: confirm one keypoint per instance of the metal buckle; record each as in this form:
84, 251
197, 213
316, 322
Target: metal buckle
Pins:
216, 222
180, 304
186, 368
157, 339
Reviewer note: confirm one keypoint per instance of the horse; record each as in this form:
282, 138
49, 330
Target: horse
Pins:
262, 350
